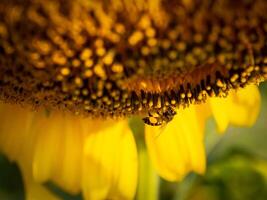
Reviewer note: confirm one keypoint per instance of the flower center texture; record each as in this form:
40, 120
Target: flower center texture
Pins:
121, 58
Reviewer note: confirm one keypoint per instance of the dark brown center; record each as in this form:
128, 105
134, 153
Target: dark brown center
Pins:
113, 59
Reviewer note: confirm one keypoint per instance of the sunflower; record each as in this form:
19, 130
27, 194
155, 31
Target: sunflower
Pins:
73, 72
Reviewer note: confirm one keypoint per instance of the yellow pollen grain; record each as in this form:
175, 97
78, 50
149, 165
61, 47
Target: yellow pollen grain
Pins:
78, 81
93, 96
219, 83
135, 38
65, 71
77, 92
150, 103
59, 77
100, 51
86, 102
189, 94
85, 92
108, 86
88, 63
119, 28
173, 102
88, 73
143, 84
74, 98
167, 103
153, 120
87, 108
99, 94
40, 65
166, 44
234, 78
150, 32
181, 46
197, 51
43, 46
69, 53
99, 71
59, 59
99, 43
108, 59
159, 103
152, 42
250, 69
204, 93
145, 50
144, 22
257, 68
76, 63
243, 80
172, 55
116, 105
182, 95
212, 94
208, 87
114, 37
34, 56
117, 68
221, 58
86, 54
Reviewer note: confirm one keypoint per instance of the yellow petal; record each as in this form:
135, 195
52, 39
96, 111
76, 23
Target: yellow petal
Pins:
14, 126
240, 108
47, 147
61, 148
58, 151
178, 148
110, 163
246, 102
16, 142
219, 109
34, 190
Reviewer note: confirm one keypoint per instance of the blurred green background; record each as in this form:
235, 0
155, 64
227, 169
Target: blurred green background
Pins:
237, 167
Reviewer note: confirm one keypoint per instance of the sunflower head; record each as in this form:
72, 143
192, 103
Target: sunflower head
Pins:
103, 59
114, 59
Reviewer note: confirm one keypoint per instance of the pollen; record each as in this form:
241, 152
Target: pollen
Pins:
153, 120
135, 38
122, 58
65, 71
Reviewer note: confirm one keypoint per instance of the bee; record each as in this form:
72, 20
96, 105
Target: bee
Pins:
159, 118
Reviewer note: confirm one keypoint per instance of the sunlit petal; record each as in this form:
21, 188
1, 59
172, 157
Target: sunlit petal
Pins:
177, 148
110, 164
58, 150
35, 190
246, 102
61, 149
16, 142
240, 108
14, 126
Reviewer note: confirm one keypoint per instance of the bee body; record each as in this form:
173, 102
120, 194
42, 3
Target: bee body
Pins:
159, 118
153, 121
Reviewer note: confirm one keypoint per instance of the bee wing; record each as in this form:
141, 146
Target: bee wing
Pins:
161, 129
